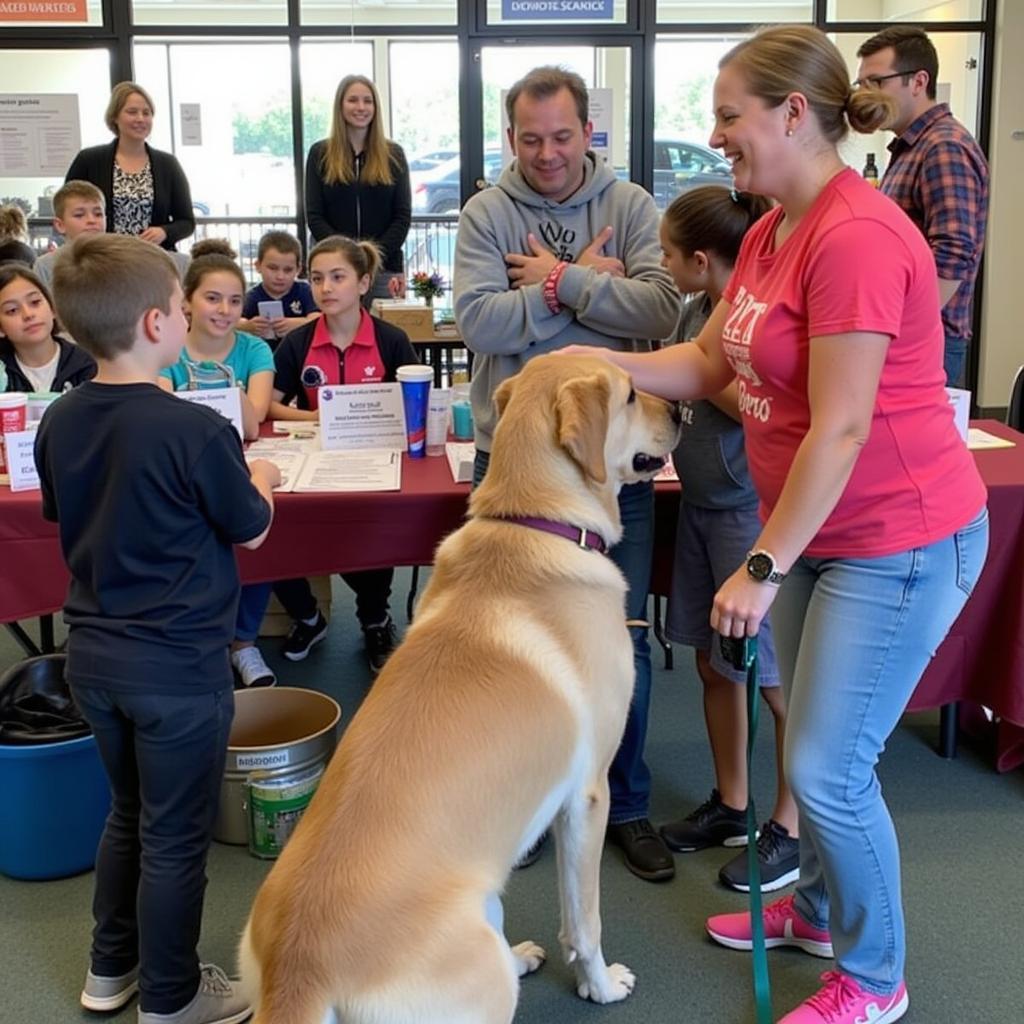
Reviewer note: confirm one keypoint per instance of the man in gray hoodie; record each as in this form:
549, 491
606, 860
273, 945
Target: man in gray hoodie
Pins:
562, 252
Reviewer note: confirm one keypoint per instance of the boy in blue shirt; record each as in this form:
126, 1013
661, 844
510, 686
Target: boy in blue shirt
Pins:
150, 494
278, 260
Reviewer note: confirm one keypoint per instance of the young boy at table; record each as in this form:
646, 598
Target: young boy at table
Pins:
343, 345
150, 494
78, 209
278, 260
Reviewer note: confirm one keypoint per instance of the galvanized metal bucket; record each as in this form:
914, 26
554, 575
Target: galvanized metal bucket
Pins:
277, 732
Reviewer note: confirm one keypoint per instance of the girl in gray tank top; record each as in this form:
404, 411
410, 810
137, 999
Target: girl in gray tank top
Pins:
701, 234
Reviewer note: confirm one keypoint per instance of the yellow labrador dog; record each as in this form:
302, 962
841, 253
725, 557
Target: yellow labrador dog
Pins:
499, 713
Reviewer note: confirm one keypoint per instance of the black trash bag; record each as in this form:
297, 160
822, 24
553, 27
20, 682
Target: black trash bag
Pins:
36, 705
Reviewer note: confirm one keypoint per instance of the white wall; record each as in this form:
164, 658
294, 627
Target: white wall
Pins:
1002, 331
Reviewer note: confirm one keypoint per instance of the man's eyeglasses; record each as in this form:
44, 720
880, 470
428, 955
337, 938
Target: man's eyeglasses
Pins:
874, 81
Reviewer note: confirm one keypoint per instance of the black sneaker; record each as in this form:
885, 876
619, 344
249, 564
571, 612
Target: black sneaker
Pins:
380, 642
303, 637
778, 857
712, 824
532, 855
645, 852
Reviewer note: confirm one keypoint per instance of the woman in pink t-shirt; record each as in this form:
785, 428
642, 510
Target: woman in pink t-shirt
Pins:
873, 511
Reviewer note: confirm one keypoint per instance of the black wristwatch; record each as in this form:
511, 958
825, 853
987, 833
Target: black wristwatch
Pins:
761, 567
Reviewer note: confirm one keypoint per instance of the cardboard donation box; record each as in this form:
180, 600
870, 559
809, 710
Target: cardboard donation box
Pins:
277, 622
415, 319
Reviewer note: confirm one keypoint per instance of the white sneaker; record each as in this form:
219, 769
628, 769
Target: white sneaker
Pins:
251, 668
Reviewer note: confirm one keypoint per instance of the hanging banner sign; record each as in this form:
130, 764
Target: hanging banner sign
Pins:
557, 10
56, 11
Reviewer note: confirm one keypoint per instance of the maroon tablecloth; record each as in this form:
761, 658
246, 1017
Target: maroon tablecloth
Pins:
981, 662
312, 534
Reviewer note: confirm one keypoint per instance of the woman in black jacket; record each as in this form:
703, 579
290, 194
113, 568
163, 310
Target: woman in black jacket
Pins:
357, 182
146, 190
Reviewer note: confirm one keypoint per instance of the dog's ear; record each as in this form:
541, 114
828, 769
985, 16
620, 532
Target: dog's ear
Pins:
582, 416
503, 394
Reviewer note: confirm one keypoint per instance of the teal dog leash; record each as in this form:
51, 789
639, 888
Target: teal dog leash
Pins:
742, 654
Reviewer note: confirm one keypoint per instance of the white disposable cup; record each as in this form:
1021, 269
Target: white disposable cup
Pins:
437, 420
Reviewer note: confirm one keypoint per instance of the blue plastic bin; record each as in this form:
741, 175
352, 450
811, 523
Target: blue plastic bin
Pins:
54, 799
54, 802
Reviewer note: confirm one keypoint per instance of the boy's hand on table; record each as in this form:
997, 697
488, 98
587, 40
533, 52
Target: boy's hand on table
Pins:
266, 472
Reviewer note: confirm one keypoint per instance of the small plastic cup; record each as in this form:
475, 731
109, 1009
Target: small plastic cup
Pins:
13, 409
415, 380
437, 420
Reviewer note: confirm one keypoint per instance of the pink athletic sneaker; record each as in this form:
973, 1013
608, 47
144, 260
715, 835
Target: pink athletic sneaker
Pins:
842, 1001
783, 926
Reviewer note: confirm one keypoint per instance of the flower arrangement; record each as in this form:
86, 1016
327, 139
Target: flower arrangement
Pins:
427, 286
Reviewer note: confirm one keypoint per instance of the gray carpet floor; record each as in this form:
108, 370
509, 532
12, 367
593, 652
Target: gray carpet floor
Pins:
961, 827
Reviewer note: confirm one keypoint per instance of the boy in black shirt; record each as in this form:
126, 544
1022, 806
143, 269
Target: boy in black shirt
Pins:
150, 494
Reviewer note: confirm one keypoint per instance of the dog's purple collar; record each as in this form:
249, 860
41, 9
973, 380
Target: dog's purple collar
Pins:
583, 538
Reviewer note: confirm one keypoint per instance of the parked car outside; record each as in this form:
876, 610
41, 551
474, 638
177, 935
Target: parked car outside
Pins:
437, 191
680, 165
428, 161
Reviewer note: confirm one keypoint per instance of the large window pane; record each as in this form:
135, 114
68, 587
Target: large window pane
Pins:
905, 10
684, 75
196, 12
240, 165
378, 12
81, 73
748, 12
323, 64
424, 78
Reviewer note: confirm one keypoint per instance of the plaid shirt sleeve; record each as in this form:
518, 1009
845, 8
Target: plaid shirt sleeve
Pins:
952, 197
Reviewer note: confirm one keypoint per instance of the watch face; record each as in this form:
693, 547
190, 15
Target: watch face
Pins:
760, 566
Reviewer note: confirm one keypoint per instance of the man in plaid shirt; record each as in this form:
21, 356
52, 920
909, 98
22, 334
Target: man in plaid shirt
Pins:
937, 173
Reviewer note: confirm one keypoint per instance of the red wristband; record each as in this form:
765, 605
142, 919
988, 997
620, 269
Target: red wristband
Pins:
550, 287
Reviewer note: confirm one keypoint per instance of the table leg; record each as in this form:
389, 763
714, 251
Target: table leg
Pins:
46, 634
26, 642
414, 583
949, 717
659, 634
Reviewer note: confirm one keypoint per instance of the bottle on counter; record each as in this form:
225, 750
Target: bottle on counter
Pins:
870, 172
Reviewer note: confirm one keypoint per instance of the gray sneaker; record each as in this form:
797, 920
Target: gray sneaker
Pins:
216, 1002
105, 994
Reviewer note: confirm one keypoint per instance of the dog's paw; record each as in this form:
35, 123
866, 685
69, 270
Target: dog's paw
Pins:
528, 956
618, 982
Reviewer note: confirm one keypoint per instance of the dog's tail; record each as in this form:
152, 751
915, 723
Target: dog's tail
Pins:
293, 1005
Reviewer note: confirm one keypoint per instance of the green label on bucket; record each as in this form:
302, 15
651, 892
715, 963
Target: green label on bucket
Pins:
275, 807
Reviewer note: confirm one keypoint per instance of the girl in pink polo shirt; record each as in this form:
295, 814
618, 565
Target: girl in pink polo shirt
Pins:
874, 521
344, 345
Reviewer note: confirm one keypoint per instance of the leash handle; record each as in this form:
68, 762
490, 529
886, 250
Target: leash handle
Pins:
759, 953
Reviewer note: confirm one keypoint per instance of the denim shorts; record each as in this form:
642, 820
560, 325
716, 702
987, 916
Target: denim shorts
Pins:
711, 544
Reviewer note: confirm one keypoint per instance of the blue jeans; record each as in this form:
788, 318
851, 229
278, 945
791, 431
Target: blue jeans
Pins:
164, 757
954, 358
252, 606
629, 778
853, 638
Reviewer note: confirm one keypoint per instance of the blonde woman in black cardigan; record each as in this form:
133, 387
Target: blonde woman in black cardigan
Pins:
146, 190
357, 182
